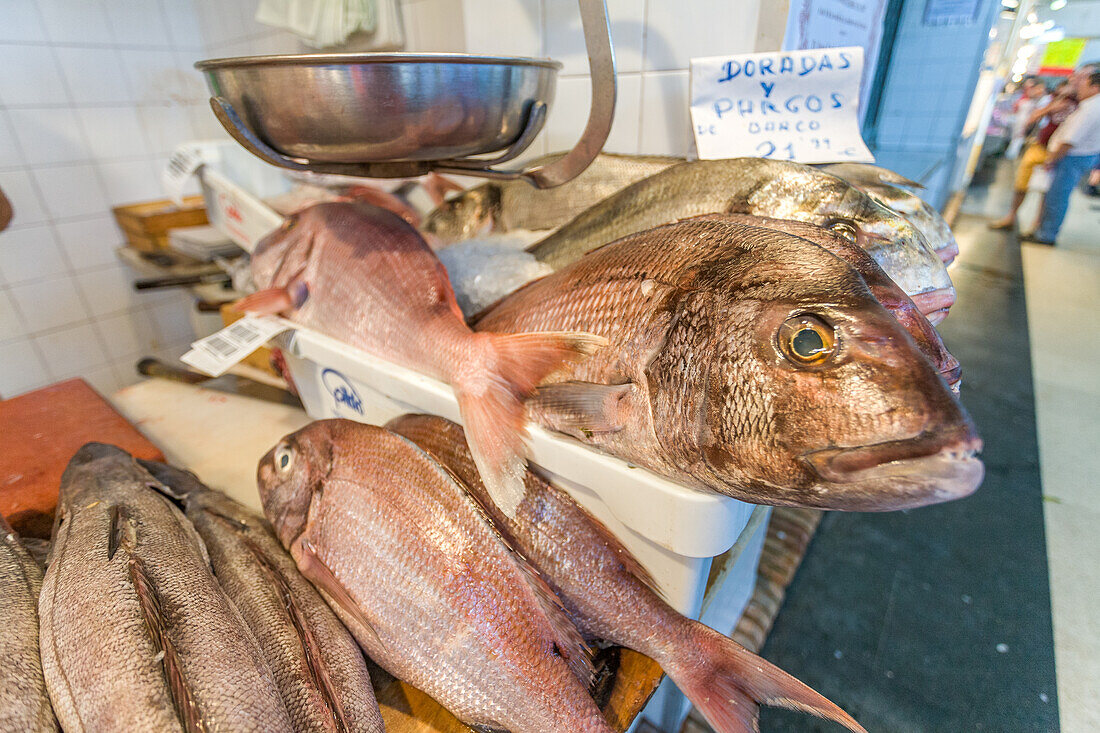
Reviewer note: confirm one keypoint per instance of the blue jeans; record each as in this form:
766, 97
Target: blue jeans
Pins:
1066, 175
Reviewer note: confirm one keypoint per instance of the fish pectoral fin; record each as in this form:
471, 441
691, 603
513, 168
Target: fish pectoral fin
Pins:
582, 409
270, 301
315, 570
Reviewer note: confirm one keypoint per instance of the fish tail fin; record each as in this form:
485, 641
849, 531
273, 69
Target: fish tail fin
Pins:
728, 684
491, 400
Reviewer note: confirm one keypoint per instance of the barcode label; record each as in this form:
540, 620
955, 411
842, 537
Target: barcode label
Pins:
219, 351
181, 166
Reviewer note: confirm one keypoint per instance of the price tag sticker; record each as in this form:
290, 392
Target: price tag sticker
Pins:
216, 353
789, 105
181, 166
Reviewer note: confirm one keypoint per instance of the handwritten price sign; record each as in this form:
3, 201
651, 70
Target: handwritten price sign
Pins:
794, 105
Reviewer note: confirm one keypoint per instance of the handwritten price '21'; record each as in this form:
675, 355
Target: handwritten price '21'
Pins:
767, 148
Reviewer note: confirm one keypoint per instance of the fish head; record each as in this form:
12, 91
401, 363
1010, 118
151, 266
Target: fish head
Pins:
289, 475
473, 213
895, 243
812, 390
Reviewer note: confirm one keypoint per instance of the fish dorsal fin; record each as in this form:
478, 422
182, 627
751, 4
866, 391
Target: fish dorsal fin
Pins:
582, 408
123, 532
311, 649
315, 570
568, 641
157, 625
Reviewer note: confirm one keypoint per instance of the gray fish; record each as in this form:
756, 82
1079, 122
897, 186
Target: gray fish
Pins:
136, 633
749, 362
886, 187
502, 206
862, 174
39, 550
427, 587
320, 672
24, 703
773, 188
612, 598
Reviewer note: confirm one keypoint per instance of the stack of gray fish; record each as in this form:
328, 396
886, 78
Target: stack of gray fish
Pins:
155, 618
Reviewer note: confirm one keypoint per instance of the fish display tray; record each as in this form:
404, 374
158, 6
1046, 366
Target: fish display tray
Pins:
234, 185
674, 530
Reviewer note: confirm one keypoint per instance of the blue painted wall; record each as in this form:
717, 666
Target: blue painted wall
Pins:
927, 92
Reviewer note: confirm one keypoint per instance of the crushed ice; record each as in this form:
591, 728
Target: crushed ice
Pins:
484, 269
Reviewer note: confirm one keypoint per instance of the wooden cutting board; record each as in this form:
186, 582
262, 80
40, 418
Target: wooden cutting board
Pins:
41, 431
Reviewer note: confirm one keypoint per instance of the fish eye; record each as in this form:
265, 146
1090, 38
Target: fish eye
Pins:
844, 228
806, 340
284, 459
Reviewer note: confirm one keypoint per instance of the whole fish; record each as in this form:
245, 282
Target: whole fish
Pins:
774, 188
882, 287
136, 633
362, 275
613, 599
24, 703
430, 591
752, 363
886, 187
502, 206
317, 665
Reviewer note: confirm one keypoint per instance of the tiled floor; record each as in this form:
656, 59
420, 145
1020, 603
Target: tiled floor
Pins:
1063, 300
1062, 286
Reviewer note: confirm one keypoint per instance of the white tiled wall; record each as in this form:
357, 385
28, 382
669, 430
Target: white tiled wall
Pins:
654, 41
94, 96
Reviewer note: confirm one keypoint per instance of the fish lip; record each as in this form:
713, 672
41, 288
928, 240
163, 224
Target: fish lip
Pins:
898, 474
948, 253
934, 302
848, 464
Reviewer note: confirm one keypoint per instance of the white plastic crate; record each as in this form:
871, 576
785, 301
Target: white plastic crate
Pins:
234, 186
674, 531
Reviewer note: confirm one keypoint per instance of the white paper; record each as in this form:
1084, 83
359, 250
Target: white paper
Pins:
181, 166
792, 105
219, 351
834, 23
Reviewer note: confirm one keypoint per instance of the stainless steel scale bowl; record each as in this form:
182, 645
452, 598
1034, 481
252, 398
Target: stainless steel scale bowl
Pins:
397, 115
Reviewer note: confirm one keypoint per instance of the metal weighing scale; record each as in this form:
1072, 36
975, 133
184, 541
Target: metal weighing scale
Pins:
403, 115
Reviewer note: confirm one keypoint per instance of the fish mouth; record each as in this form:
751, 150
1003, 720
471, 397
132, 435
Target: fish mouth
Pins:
934, 304
951, 372
901, 474
949, 252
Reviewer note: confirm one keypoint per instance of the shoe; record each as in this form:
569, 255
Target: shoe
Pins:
1002, 224
1036, 240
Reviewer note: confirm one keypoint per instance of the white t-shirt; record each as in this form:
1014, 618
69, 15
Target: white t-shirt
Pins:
1081, 129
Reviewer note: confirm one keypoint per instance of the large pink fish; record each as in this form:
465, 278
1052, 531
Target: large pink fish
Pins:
612, 598
361, 274
429, 590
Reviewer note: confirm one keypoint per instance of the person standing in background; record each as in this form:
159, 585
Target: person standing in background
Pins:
1072, 151
1047, 119
1034, 92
